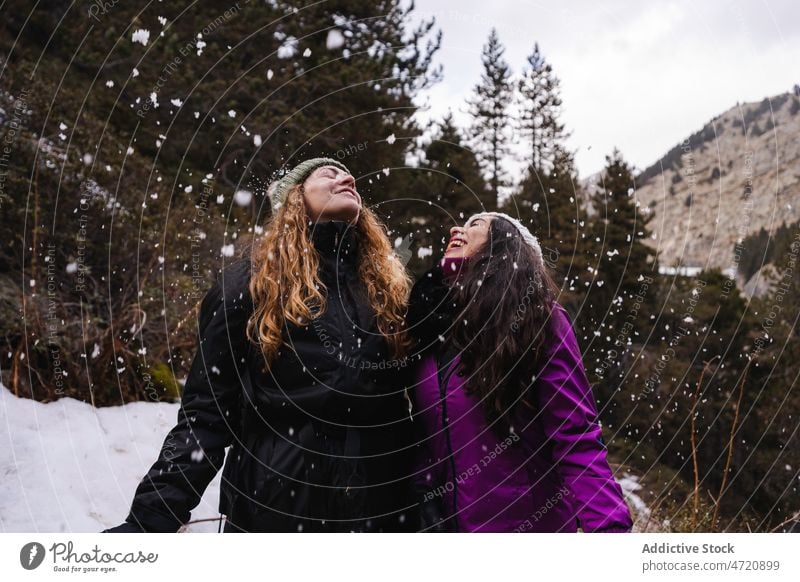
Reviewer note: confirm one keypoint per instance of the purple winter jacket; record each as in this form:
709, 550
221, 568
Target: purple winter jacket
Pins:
550, 474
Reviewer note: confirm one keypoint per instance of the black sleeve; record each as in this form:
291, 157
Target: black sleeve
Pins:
430, 309
125, 527
210, 411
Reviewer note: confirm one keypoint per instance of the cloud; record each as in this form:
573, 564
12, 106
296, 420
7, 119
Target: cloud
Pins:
641, 76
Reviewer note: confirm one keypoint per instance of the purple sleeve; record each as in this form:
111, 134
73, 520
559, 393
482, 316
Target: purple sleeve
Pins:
569, 419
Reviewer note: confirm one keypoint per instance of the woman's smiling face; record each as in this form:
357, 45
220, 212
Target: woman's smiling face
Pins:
330, 194
467, 240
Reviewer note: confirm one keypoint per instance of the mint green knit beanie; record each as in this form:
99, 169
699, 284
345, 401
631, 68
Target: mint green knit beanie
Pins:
277, 190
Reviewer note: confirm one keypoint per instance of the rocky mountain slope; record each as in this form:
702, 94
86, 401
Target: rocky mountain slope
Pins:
740, 173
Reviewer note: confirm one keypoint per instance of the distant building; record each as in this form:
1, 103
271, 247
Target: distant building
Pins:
683, 270
691, 271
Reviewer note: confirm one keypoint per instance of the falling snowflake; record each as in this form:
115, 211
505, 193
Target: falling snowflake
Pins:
288, 49
243, 197
335, 39
141, 35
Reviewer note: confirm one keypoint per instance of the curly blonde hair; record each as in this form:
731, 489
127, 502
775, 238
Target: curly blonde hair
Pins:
285, 284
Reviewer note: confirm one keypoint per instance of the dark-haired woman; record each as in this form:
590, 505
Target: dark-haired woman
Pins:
299, 372
511, 440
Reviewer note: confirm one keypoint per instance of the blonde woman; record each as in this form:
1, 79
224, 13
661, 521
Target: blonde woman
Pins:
301, 371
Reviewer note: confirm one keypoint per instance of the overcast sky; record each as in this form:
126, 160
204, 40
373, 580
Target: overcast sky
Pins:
638, 75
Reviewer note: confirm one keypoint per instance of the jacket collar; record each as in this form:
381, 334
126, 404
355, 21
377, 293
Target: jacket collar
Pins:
335, 241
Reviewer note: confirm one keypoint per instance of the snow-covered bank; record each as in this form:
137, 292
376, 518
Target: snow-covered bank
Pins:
640, 512
67, 467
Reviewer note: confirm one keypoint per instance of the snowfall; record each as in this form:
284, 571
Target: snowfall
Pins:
69, 467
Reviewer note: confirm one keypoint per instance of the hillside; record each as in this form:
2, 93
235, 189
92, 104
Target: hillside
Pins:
736, 175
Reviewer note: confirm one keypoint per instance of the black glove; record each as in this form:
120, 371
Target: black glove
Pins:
125, 527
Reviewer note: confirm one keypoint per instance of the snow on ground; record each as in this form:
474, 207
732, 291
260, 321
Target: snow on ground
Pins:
640, 512
67, 467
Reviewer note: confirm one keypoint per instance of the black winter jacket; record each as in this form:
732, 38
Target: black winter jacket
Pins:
320, 441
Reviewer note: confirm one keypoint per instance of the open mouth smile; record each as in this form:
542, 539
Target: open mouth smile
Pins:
456, 243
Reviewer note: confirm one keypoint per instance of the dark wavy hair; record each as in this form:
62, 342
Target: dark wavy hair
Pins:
503, 301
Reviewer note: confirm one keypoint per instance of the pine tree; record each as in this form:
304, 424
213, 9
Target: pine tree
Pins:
489, 110
540, 110
352, 99
447, 189
457, 176
549, 195
618, 233
150, 139
625, 278
550, 202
